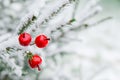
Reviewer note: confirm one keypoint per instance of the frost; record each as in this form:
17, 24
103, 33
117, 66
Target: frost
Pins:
74, 51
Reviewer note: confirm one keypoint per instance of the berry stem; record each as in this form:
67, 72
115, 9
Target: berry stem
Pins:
32, 43
38, 67
29, 55
23, 35
47, 39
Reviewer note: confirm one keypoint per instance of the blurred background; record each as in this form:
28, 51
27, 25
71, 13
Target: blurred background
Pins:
93, 54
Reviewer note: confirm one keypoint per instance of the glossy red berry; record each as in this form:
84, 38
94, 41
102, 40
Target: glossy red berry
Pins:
34, 61
41, 41
25, 39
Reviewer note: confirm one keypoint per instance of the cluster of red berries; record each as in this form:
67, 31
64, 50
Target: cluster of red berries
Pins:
41, 41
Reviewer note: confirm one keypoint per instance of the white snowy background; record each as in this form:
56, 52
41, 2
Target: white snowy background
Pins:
91, 54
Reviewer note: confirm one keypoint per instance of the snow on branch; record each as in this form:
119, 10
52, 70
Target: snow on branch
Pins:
28, 20
32, 22
50, 11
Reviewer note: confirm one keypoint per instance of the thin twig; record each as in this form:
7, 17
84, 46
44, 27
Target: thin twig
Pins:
75, 8
101, 21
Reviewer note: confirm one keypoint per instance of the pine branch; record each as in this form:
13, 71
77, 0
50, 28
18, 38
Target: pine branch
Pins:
28, 22
32, 23
79, 23
49, 12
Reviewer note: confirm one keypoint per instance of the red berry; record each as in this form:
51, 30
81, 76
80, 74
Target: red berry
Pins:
25, 39
41, 41
35, 61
